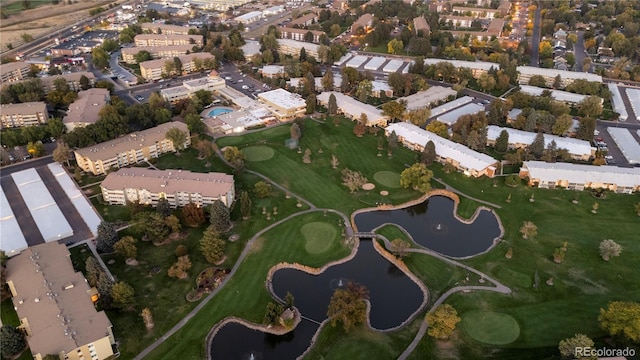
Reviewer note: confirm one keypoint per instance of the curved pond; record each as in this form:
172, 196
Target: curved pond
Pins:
393, 296
433, 225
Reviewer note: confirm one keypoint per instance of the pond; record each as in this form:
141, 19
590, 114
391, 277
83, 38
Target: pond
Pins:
433, 225
393, 296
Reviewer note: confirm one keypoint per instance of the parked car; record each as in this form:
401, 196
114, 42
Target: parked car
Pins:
245, 87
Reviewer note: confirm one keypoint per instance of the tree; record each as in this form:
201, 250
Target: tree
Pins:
262, 189
365, 87
562, 124
147, 317
295, 132
123, 294
359, 129
100, 58
107, 236
245, 205
395, 46
234, 156
567, 347
428, 155
126, 247
348, 306
306, 158
163, 207
180, 250
621, 318
152, 225
173, 223
332, 107
220, 217
179, 268
35, 149
311, 103
11, 341
193, 215
177, 137
353, 179
211, 245
400, 247
392, 142
289, 300
442, 321
586, 127
497, 113
487, 82
62, 153
104, 286
609, 249
590, 106
418, 116
92, 270
394, 109
273, 313
327, 81
416, 177
439, 128
528, 229
536, 148
502, 142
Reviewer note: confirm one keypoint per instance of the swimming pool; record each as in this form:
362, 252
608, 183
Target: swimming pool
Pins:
218, 111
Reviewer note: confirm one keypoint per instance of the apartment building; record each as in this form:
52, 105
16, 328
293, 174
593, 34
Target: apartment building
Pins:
166, 29
484, 13
73, 80
457, 21
86, 109
566, 77
56, 306
420, 24
293, 47
283, 104
364, 22
157, 52
179, 187
477, 67
155, 69
299, 34
23, 114
354, 109
14, 71
129, 149
304, 20
167, 40
493, 30
189, 88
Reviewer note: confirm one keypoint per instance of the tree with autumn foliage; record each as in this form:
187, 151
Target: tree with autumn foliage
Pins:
442, 321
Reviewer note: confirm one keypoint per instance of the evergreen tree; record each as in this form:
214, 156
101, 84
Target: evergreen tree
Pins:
245, 205
211, 245
163, 208
93, 271
220, 217
332, 106
295, 131
428, 155
536, 148
311, 103
107, 236
11, 341
502, 142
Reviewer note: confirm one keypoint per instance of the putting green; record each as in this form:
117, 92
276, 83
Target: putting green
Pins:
387, 178
490, 327
258, 153
280, 130
319, 236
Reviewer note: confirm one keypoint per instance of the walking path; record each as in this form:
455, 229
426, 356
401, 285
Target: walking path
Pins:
450, 188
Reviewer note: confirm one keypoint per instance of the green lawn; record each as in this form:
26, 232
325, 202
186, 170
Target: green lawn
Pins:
490, 327
318, 182
16, 7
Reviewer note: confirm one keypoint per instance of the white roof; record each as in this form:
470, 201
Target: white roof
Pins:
450, 105
283, 99
574, 146
626, 143
477, 65
79, 201
375, 63
634, 99
451, 117
352, 107
393, 65
445, 148
12, 239
582, 174
272, 69
308, 47
558, 95
405, 69
250, 48
343, 60
616, 101
379, 85
357, 61
43, 208
427, 97
513, 113
564, 74
249, 16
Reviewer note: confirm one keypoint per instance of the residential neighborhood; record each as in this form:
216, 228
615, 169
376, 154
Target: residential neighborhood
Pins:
305, 179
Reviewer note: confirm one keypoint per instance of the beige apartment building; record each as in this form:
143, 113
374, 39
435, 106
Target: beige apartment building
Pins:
283, 104
299, 34
86, 109
73, 80
157, 52
166, 29
155, 69
293, 47
304, 20
179, 187
166, 40
129, 149
420, 24
14, 71
365, 22
24, 114
56, 306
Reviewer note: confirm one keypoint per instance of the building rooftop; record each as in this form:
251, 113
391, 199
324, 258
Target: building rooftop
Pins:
272, 69
167, 36
420, 23
425, 98
283, 99
55, 300
564, 74
136, 140
559, 95
153, 49
12, 66
165, 27
249, 16
581, 174
574, 146
353, 107
302, 19
436, 111
362, 21
86, 108
626, 143
477, 65
445, 148
299, 45
452, 116
27, 108
170, 181
13, 240
157, 63
251, 48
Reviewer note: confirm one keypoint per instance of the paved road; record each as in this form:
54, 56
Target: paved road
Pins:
535, 39
580, 52
10, 169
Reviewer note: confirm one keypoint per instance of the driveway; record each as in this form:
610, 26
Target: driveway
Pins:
535, 40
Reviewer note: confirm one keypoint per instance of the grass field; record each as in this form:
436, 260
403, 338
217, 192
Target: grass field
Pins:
318, 236
258, 153
387, 178
490, 327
